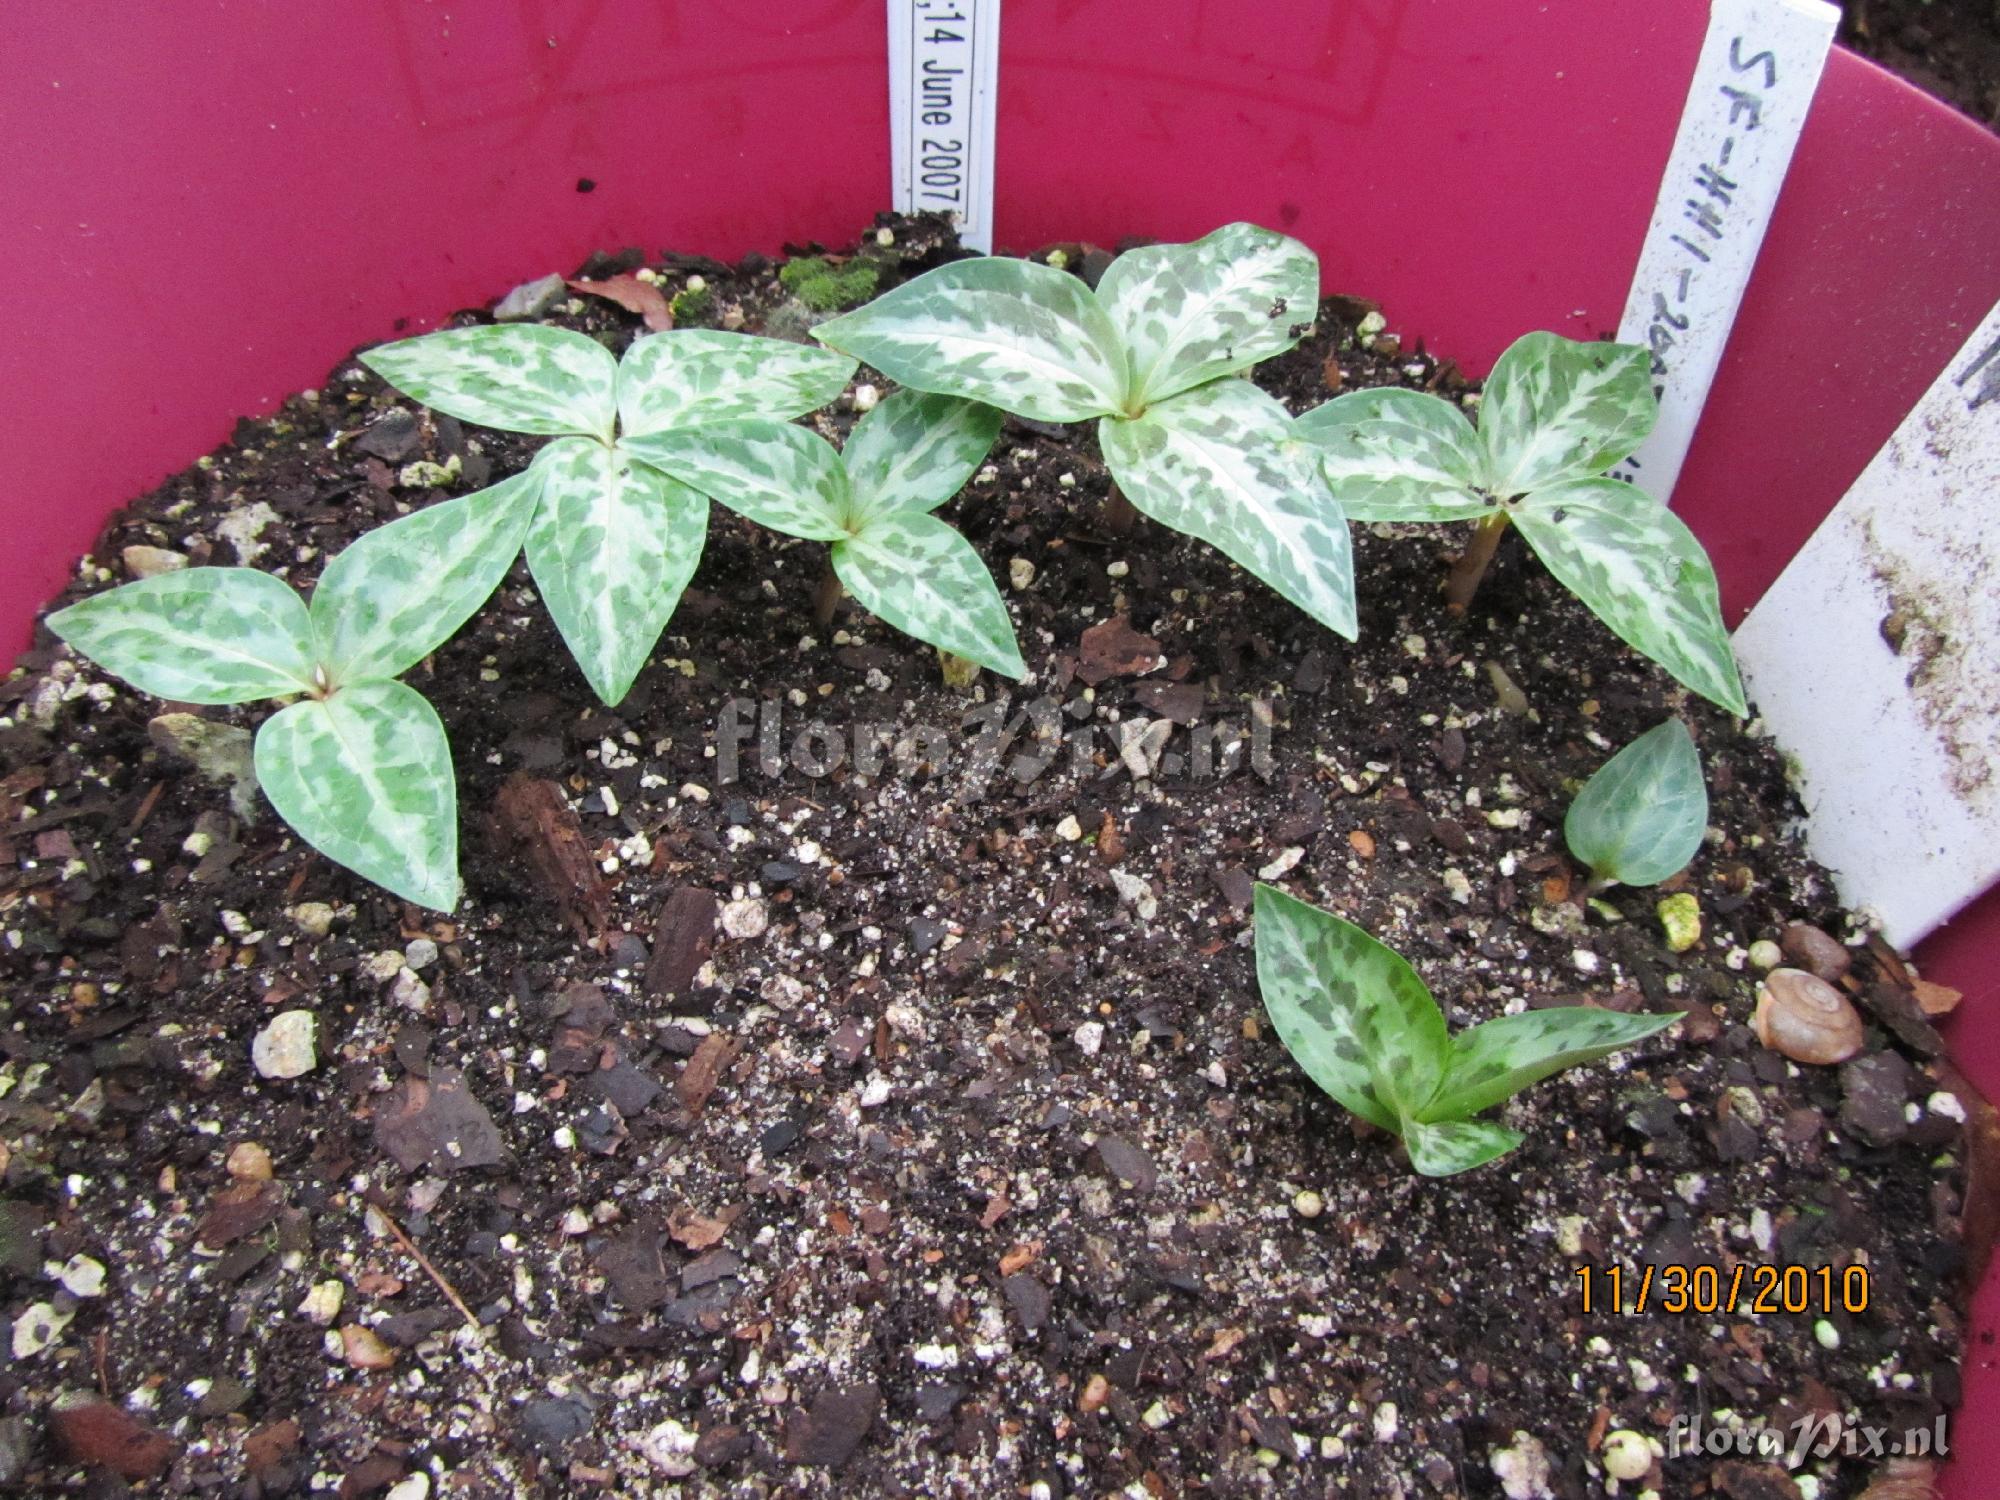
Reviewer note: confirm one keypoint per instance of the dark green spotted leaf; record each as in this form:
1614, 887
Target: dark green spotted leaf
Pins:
401, 591
201, 635
1641, 817
365, 777
1497, 1059
1349, 1009
1637, 567
1454, 1146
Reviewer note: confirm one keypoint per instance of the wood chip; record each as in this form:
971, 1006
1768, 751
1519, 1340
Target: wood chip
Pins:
535, 826
703, 1071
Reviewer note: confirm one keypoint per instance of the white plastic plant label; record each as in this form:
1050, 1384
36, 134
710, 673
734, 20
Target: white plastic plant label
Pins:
944, 59
1760, 64
1875, 660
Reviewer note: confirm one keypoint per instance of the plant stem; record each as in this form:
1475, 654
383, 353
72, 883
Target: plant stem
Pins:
1472, 563
1120, 515
826, 599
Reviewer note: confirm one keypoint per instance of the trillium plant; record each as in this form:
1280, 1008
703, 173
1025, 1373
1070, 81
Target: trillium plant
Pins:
1366, 1030
1555, 415
614, 539
357, 762
872, 504
1149, 355
1641, 816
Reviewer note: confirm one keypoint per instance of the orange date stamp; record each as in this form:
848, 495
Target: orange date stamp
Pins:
1743, 1289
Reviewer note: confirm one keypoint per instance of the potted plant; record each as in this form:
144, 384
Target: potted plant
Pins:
838, 1095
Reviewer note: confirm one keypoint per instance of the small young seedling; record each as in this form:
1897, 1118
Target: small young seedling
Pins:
872, 503
1150, 354
1641, 816
614, 541
358, 765
1556, 414
1366, 1029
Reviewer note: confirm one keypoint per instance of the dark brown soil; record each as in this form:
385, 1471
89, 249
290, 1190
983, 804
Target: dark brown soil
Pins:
954, 1162
1947, 48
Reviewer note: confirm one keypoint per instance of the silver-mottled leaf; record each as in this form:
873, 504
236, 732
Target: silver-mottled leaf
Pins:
1395, 455
1641, 816
612, 545
1497, 1059
1350, 1010
915, 451
201, 635
1015, 334
1557, 409
402, 590
365, 777
519, 377
778, 474
1193, 313
1640, 571
706, 375
924, 578
1220, 463
1454, 1146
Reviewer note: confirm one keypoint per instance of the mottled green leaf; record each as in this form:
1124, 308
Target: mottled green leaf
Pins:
778, 474
924, 578
1641, 817
1557, 409
519, 377
706, 375
402, 590
1024, 337
201, 635
1192, 313
915, 451
365, 777
1452, 1146
1219, 463
1640, 571
1395, 455
1349, 1009
1497, 1059
612, 545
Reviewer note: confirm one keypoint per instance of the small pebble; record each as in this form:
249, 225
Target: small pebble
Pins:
1680, 920
322, 1303
1020, 573
248, 1162
82, 1277
420, 953
747, 918
1089, 1038
1626, 1455
313, 918
284, 1048
1307, 1204
1283, 865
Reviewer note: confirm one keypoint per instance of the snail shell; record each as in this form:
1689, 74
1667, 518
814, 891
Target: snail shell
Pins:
1805, 1018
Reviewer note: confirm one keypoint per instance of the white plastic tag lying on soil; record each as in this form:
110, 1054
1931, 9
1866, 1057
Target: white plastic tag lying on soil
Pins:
1759, 67
944, 58
1875, 659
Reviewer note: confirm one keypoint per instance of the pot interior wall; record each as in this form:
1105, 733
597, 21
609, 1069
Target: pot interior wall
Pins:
207, 208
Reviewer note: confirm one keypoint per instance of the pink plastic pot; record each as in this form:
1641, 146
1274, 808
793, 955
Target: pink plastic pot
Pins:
207, 205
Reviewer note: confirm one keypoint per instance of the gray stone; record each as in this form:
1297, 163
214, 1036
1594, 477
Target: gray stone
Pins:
220, 752
531, 299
